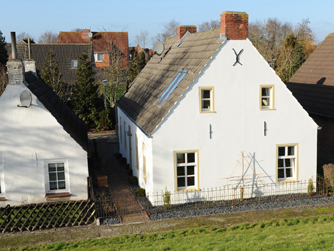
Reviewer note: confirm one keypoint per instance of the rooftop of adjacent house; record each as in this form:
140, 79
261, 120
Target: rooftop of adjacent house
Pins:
71, 123
143, 102
64, 54
313, 83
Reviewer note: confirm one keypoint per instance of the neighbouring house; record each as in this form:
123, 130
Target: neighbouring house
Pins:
106, 45
210, 112
67, 56
313, 87
43, 144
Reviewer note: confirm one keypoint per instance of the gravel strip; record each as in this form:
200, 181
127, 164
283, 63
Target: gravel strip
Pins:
240, 208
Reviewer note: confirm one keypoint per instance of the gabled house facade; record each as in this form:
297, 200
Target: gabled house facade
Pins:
207, 104
106, 45
313, 87
43, 144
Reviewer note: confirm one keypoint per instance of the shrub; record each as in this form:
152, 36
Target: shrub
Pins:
123, 161
140, 192
129, 172
310, 187
166, 198
133, 180
118, 155
329, 173
127, 166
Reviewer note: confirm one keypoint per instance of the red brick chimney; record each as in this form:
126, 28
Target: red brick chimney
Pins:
182, 29
85, 33
234, 25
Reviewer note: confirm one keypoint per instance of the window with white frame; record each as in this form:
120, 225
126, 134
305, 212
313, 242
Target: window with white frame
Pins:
286, 162
74, 64
120, 130
206, 99
144, 162
99, 57
125, 146
186, 170
137, 156
267, 97
57, 176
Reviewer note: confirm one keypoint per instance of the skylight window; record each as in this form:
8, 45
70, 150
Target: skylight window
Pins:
171, 87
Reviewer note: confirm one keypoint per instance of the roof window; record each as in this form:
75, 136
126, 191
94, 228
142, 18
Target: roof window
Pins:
171, 87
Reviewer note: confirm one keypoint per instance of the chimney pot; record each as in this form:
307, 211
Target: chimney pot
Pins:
234, 25
182, 29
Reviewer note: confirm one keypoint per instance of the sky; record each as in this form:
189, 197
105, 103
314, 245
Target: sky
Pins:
37, 16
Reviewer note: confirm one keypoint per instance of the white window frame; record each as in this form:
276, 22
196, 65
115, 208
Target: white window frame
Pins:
186, 175
270, 97
74, 64
97, 57
287, 162
202, 99
47, 179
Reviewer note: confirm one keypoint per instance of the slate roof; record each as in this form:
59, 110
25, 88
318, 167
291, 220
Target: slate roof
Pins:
313, 83
140, 101
71, 123
64, 54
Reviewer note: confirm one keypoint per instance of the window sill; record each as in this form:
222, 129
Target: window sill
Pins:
56, 195
188, 190
267, 109
2, 198
286, 181
207, 111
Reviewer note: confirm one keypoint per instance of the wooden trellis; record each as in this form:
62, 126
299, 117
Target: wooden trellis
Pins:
46, 215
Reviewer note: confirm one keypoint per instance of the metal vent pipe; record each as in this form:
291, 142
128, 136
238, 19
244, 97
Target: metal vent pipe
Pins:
13, 40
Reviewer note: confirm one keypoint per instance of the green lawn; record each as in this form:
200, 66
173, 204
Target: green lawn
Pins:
309, 233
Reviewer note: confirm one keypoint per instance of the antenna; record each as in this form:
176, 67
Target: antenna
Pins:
25, 99
158, 47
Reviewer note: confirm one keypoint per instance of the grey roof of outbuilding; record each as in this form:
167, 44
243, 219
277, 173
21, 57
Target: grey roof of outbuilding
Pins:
64, 54
313, 83
193, 54
71, 123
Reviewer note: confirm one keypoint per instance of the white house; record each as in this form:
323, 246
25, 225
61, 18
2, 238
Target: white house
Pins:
43, 144
210, 112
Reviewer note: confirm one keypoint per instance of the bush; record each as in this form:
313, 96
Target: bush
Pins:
310, 187
329, 173
118, 155
105, 121
123, 161
129, 172
133, 180
166, 198
127, 166
140, 192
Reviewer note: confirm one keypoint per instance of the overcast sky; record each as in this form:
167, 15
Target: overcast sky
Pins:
37, 16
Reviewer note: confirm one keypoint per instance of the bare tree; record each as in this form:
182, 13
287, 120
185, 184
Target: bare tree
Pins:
3, 78
212, 25
22, 36
77, 29
170, 30
48, 37
142, 39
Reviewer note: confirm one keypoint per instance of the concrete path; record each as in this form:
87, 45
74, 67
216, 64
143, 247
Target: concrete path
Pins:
127, 205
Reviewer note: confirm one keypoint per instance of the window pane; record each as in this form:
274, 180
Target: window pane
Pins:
52, 176
191, 181
281, 151
191, 157
190, 170
52, 167
287, 163
61, 184
291, 150
280, 163
61, 176
265, 102
288, 172
206, 93
180, 170
180, 158
265, 92
100, 57
280, 173
206, 104
181, 182
53, 185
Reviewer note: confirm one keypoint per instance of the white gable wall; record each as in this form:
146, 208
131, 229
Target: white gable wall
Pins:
237, 124
29, 138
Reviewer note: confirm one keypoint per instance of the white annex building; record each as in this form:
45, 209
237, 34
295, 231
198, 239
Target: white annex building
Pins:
210, 112
43, 144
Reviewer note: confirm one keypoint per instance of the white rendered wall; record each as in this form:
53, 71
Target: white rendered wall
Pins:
125, 151
237, 125
28, 137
